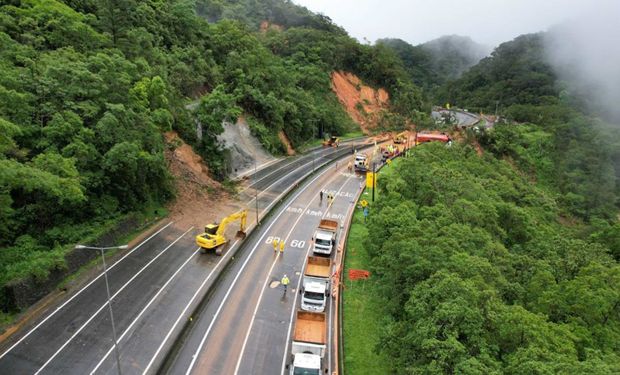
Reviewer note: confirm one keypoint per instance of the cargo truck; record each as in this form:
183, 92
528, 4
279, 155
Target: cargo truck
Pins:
315, 287
361, 162
309, 343
325, 237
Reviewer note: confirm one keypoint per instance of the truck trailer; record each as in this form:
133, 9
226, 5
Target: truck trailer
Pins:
309, 343
315, 287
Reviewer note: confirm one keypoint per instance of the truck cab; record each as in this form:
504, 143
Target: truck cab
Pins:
306, 364
323, 242
314, 296
361, 162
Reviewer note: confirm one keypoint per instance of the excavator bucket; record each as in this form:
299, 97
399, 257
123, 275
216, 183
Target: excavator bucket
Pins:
241, 234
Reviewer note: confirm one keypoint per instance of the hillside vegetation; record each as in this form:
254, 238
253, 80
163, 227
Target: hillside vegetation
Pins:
88, 87
438, 61
478, 275
505, 263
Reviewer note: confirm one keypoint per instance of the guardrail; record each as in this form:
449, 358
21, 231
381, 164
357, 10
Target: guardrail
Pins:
339, 275
186, 328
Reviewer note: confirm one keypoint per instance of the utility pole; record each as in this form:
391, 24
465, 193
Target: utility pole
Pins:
256, 188
374, 183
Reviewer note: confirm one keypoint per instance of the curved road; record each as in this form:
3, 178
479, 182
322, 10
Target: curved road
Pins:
155, 288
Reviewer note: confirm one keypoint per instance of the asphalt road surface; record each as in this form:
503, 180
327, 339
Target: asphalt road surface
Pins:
157, 286
246, 327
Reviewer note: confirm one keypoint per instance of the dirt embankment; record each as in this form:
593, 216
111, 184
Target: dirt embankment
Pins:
200, 199
362, 103
289, 148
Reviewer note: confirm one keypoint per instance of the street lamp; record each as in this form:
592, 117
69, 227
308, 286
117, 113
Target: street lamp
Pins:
256, 187
107, 288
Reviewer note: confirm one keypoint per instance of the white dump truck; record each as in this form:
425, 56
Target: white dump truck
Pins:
325, 237
316, 280
309, 343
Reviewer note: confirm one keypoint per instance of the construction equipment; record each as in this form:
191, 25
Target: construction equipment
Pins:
401, 137
214, 234
333, 141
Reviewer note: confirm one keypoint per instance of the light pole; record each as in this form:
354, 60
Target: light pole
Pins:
255, 187
107, 288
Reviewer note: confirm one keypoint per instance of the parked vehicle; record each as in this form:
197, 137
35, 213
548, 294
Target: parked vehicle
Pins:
361, 162
309, 343
315, 286
325, 237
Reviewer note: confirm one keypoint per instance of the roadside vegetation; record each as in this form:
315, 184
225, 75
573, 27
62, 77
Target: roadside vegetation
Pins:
364, 314
478, 274
88, 87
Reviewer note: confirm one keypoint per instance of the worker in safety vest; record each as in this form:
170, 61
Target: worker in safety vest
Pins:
275, 245
285, 281
281, 246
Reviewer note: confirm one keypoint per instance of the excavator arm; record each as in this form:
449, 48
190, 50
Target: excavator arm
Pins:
241, 216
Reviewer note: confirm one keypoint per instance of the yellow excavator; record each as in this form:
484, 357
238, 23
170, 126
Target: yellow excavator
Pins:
214, 234
401, 137
333, 141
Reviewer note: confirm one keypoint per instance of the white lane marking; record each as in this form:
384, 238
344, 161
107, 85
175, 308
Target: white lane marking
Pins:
262, 292
161, 289
106, 303
81, 290
291, 318
204, 282
202, 285
258, 168
259, 242
318, 151
283, 177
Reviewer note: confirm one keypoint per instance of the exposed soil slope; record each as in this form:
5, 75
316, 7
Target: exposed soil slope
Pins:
287, 143
362, 103
200, 199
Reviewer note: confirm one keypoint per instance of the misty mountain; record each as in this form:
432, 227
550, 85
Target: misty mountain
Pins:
516, 73
440, 60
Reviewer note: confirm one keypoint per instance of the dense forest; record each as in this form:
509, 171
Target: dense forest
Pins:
88, 87
480, 274
504, 262
434, 63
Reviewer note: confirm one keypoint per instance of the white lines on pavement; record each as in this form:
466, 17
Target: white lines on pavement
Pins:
262, 292
204, 282
81, 290
161, 289
258, 242
105, 304
283, 177
291, 318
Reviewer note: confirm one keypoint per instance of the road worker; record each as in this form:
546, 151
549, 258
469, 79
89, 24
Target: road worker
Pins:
285, 282
350, 167
281, 246
275, 245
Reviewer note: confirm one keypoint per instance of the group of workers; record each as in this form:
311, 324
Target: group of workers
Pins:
330, 198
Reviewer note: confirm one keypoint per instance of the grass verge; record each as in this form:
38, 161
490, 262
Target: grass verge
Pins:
363, 312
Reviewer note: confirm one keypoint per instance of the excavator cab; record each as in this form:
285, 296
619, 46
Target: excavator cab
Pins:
211, 228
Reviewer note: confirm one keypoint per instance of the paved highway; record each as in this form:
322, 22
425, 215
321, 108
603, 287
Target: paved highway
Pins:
246, 327
155, 289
